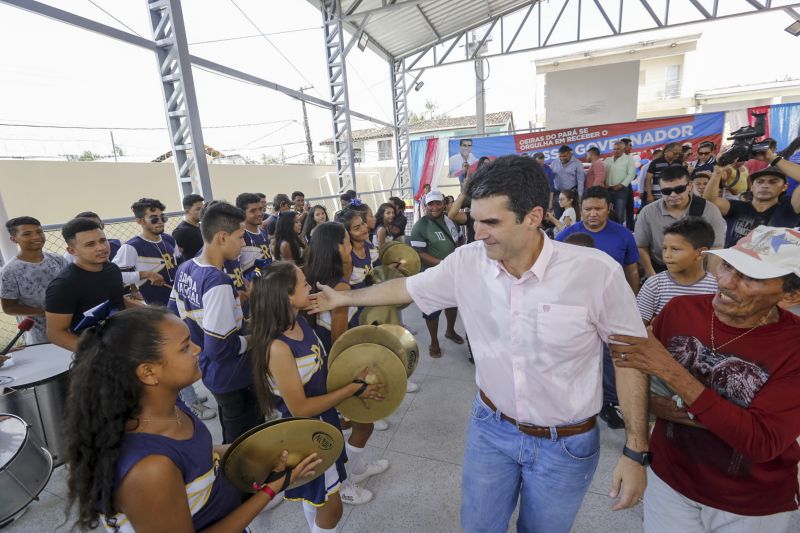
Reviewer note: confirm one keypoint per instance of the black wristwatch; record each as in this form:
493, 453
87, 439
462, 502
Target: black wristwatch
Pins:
643, 458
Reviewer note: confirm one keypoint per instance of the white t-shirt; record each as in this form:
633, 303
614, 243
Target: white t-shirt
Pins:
568, 212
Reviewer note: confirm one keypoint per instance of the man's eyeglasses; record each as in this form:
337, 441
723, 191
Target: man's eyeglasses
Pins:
155, 219
680, 189
703, 153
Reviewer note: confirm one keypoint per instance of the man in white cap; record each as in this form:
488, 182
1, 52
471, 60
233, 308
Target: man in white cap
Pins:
434, 237
725, 448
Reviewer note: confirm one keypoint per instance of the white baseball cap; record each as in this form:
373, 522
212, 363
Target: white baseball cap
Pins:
434, 196
765, 253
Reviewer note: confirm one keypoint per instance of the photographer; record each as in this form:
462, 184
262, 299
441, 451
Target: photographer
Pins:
767, 207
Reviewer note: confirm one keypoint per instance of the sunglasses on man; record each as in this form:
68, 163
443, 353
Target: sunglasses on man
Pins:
703, 153
680, 189
155, 219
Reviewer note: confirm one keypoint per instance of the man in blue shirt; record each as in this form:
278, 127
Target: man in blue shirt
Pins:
618, 242
568, 173
551, 178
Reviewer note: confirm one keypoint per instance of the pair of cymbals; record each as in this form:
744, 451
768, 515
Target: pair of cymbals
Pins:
252, 456
394, 252
384, 355
396, 338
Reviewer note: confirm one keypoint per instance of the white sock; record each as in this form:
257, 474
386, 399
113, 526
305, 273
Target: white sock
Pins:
355, 459
318, 529
311, 515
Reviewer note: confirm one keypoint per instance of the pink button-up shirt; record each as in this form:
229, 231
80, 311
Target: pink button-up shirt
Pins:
537, 340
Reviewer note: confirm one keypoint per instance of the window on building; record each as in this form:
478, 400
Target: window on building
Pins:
356, 155
385, 150
672, 83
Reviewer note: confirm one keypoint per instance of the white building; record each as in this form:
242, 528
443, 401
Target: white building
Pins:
671, 80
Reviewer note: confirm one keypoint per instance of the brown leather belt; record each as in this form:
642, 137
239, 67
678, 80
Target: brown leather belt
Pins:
543, 431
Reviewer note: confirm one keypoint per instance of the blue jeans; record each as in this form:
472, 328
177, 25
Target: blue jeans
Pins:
549, 476
619, 199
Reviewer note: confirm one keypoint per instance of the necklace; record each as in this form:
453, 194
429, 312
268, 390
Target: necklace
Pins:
176, 419
164, 258
715, 348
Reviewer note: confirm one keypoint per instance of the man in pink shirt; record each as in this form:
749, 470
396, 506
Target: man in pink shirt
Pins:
537, 325
596, 175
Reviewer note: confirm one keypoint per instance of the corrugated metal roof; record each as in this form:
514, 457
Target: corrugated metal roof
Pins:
407, 26
437, 124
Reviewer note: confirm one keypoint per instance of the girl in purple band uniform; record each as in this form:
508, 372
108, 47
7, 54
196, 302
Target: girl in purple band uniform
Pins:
325, 264
291, 372
332, 246
138, 459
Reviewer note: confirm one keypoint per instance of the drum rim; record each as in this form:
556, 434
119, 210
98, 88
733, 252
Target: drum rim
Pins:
14, 387
48, 456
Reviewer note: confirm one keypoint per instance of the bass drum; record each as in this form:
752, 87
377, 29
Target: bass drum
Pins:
25, 467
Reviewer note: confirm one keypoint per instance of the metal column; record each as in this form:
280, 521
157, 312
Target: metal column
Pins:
400, 108
337, 83
183, 117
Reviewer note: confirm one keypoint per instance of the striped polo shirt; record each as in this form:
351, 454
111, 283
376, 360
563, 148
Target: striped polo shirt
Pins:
658, 290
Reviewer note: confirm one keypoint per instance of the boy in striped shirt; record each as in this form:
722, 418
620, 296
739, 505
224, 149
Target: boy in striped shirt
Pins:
684, 244
682, 249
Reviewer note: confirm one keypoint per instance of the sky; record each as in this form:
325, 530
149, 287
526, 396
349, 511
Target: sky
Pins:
62, 75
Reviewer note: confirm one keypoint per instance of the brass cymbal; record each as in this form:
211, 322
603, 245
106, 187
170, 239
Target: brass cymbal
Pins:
402, 253
252, 456
386, 245
384, 367
367, 334
381, 314
409, 345
382, 273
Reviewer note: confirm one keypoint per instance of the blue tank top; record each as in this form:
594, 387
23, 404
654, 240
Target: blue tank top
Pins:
211, 497
312, 364
361, 268
322, 326
363, 265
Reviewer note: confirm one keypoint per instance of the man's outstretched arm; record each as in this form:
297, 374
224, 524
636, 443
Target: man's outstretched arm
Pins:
391, 292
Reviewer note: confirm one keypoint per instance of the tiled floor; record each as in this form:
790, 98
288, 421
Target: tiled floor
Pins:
425, 445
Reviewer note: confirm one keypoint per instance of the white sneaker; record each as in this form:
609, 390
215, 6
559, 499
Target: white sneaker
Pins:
411, 387
378, 466
380, 425
352, 494
202, 411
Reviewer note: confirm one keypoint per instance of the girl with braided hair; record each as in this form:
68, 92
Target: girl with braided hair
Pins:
139, 459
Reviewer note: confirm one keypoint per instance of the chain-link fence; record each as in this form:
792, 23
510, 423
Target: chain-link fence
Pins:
127, 228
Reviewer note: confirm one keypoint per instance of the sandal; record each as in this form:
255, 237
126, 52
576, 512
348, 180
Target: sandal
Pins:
436, 353
455, 337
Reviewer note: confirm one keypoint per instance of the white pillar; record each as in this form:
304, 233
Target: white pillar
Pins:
7, 248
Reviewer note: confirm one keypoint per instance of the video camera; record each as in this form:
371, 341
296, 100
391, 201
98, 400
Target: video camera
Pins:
743, 146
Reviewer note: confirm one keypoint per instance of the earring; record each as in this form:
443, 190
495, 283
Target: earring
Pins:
156, 383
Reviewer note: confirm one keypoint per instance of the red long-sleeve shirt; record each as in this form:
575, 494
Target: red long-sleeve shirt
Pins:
746, 461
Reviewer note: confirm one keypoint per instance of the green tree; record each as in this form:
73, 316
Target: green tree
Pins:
430, 113
88, 155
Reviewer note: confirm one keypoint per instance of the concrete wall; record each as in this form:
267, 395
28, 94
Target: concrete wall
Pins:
54, 191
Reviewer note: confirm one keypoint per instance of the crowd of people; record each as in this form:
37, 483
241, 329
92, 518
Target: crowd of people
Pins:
250, 303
